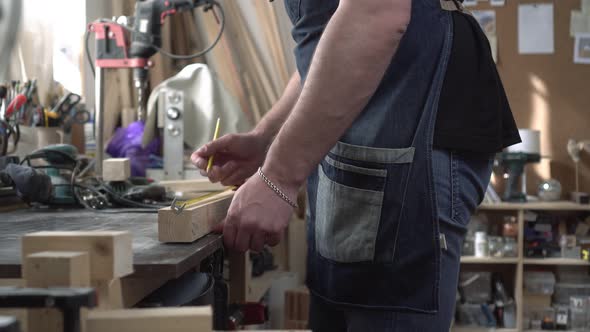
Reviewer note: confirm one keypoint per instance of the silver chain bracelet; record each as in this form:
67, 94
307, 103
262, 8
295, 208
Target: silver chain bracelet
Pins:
276, 189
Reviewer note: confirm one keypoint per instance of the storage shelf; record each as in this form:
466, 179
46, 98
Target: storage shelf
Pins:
555, 261
543, 206
259, 285
488, 260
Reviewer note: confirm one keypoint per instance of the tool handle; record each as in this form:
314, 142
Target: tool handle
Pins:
15, 104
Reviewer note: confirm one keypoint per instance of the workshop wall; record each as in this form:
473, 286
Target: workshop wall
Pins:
547, 92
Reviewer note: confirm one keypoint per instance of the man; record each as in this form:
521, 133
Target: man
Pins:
393, 118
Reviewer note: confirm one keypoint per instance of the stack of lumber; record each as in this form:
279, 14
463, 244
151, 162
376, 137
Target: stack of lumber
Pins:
97, 259
297, 308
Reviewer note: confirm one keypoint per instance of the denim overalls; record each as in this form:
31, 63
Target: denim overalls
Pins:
373, 232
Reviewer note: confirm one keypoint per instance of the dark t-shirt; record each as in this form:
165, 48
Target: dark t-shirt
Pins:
474, 113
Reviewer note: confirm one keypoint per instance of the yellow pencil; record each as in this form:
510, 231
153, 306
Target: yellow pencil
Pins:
210, 163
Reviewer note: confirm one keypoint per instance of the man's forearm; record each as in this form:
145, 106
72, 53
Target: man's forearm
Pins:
272, 122
350, 61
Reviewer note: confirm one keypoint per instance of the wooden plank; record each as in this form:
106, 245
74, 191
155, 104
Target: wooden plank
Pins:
252, 59
556, 261
488, 260
111, 252
183, 319
116, 169
542, 206
195, 221
57, 269
198, 185
54, 269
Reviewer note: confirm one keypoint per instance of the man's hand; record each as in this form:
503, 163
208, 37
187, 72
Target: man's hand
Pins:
237, 157
257, 216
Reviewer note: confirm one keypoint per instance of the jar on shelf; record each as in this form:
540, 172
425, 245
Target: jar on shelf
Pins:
510, 247
468, 245
495, 246
481, 244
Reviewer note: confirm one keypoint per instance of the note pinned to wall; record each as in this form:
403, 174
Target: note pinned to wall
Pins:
582, 48
497, 3
536, 29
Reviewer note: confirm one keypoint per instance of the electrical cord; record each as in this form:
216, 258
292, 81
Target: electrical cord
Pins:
211, 6
122, 200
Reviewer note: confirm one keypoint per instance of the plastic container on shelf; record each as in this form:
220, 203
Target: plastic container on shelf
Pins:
476, 286
539, 282
579, 307
510, 247
563, 292
495, 246
468, 245
481, 244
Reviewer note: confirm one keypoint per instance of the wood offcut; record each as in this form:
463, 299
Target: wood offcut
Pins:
195, 221
111, 252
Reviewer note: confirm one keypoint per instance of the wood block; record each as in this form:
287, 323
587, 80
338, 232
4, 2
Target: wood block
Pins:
109, 294
111, 252
57, 269
195, 221
54, 269
116, 169
182, 319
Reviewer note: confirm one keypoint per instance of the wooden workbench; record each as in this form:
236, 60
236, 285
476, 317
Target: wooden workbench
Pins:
151, 257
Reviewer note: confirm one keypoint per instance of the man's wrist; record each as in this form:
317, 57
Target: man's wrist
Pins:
285, 177
263, 134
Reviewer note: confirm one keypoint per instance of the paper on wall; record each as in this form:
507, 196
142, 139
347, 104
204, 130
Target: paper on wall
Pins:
535, 29
494, 47
470, 3
579, 23
486, 19
582, 48
497, 3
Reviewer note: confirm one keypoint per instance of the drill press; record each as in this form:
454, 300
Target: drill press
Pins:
120, 46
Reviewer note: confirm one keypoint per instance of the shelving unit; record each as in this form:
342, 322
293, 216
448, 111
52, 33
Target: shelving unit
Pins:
555, 261
488, 260
520, 262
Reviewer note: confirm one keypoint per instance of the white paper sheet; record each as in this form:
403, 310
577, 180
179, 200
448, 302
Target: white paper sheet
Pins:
497, 3
582, 48
469, 3
494, 47
535, 29
579, 23
486, 19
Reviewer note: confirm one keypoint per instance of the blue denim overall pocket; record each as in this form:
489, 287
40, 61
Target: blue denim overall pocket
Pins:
352, 181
